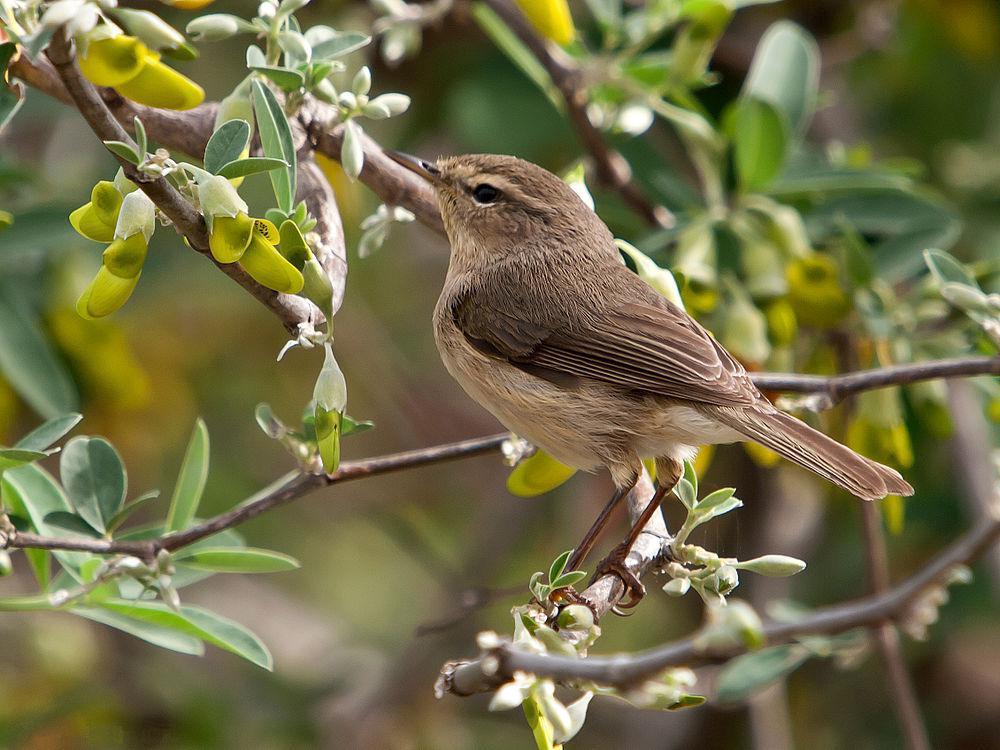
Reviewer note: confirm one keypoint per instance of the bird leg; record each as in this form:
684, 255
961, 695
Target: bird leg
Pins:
594, 532
615, 561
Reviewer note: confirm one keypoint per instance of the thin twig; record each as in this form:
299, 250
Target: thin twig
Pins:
612, 168
285, 490
498, 666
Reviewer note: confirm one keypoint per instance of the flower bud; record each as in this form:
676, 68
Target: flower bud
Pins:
774, 566
362, 81
137, 215
551, 17
396, 104
151, 29
576, 617
214, 27
677, 586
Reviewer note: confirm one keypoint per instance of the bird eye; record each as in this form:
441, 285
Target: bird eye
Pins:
484, 193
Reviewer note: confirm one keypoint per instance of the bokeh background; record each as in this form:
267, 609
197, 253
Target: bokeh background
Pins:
907, 80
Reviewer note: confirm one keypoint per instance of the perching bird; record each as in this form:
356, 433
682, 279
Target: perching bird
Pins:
542, 324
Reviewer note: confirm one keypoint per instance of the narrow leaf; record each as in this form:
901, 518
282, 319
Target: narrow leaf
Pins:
49, 432
124, 150
197, 622
276, 140
747, 674
164, 637
28, 362
190, 480
759, 141
559, 565
71, 522
127, 510
245, 560
12, 458
287, 80
249, 166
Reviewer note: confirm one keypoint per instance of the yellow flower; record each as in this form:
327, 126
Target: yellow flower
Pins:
537, 474
551, 17
251, 243
116, 279
188, 4
815, 293
126, 64
96, 220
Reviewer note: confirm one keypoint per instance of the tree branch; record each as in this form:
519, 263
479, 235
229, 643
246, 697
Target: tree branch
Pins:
612, 168
291, 310
498, 665
285, 490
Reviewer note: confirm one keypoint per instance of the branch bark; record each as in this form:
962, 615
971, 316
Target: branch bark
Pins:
282, 492
290, 309
498, 666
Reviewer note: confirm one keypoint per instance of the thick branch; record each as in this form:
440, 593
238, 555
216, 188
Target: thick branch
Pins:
290, 309
499, 665
612, 168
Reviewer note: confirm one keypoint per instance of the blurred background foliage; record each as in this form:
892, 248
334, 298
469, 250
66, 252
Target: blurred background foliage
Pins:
909, 105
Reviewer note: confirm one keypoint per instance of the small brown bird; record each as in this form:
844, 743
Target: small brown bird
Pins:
542, 324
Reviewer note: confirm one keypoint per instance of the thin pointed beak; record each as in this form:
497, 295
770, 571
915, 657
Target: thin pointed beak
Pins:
425, 169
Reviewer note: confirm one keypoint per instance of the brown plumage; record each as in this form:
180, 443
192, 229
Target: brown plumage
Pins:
543, 325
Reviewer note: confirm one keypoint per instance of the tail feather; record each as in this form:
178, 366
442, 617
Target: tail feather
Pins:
800, 443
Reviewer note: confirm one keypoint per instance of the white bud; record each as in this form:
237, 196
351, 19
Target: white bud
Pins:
137, 214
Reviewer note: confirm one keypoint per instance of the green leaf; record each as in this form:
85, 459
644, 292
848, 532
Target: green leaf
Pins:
11, 97
226, 144
32, 493
12, 458
249, 166
158, 635
338, 45
946, 269
276, 140
718, 503
28, 362
71, 522
128, 509
760, 141
197, 622
48, 432
745, 675
229, 560
140, 136
568, 579
559, 565
506, 41
124, 150
190, 480
287, 80
350, 425
785, 73
95, 479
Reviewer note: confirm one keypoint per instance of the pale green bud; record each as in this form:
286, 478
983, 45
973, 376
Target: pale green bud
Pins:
775, 566
137, 214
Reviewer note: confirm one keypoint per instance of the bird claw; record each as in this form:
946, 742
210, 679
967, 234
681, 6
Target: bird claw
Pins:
614, 563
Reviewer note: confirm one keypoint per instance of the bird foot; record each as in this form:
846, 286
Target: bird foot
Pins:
614, 563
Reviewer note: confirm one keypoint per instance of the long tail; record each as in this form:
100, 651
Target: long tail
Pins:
798, 442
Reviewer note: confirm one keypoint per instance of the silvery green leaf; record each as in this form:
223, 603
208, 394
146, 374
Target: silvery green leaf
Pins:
559, 565
124, 150
226, 144
686, 493
270, 424
255, 57
352, 155
140, 136
777, 566
964, 296
659, 278
691, 476
717, 504
397, 104
362, 82
328, 43
137, 214
294, 44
